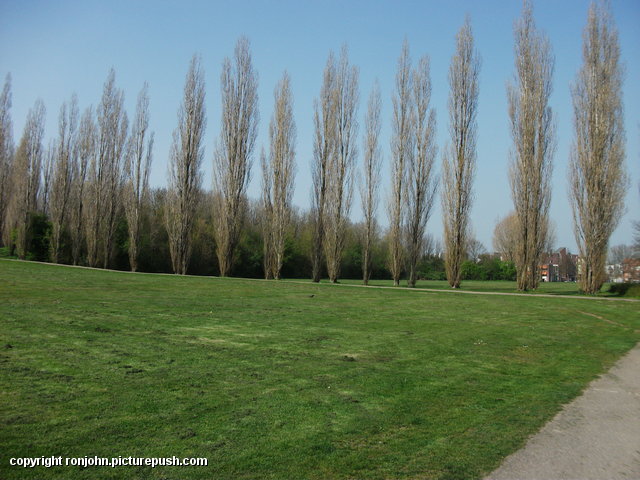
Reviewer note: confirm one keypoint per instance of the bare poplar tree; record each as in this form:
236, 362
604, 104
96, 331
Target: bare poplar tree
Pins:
62, 176
185, 176
371, 164
505, 237
597, 172
341, 164
6, 155
137, 166
106, 174
85, 147
232, 159
278, 176
460, 156
533, 134
421, 179
267, 218
401, 151
49, 159
26, 179
112, 140
324, 120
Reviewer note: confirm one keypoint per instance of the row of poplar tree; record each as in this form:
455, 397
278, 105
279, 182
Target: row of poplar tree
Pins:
88, 192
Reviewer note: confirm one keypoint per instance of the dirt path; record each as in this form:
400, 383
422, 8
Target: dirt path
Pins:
470, 292
597, 436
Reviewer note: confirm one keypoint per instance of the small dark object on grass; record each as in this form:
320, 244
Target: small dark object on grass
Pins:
348, 358
188, 433
8, 345
134, 370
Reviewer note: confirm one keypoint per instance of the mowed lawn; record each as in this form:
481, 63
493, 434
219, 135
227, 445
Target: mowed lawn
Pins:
279, 380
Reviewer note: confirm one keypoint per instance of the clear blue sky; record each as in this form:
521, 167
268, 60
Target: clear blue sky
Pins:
55, 48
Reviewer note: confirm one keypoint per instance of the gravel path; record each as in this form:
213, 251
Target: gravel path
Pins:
470, 292
597, 436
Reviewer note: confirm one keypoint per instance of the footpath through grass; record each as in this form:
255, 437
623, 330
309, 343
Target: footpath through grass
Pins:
502, 286
274, 380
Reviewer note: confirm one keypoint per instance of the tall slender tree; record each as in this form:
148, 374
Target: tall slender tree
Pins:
597, 171
185, 176
137, 166
267, 217
6, 154
370, 184
278, 177
460, 155
233, 156
26, 178
106, 174
113, 125
401, 150
533, 133
341, 164
421, 179
324, 145
62, 181
85, 147
49, 158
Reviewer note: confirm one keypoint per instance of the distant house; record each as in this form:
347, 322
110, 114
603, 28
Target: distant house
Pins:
559, 266
614, 273
631, 270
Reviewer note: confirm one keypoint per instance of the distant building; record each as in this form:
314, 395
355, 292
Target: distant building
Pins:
559, 266
631, 270
614, 273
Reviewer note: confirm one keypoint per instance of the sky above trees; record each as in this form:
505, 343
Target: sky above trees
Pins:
53, 49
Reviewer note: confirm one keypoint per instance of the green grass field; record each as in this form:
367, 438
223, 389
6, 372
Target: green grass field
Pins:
279, 380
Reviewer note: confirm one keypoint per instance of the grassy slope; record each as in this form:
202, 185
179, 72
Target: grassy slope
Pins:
268, 382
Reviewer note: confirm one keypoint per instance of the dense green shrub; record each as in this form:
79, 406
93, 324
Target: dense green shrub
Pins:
625, 289
40, 229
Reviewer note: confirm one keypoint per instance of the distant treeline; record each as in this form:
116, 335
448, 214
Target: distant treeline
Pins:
154, 249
